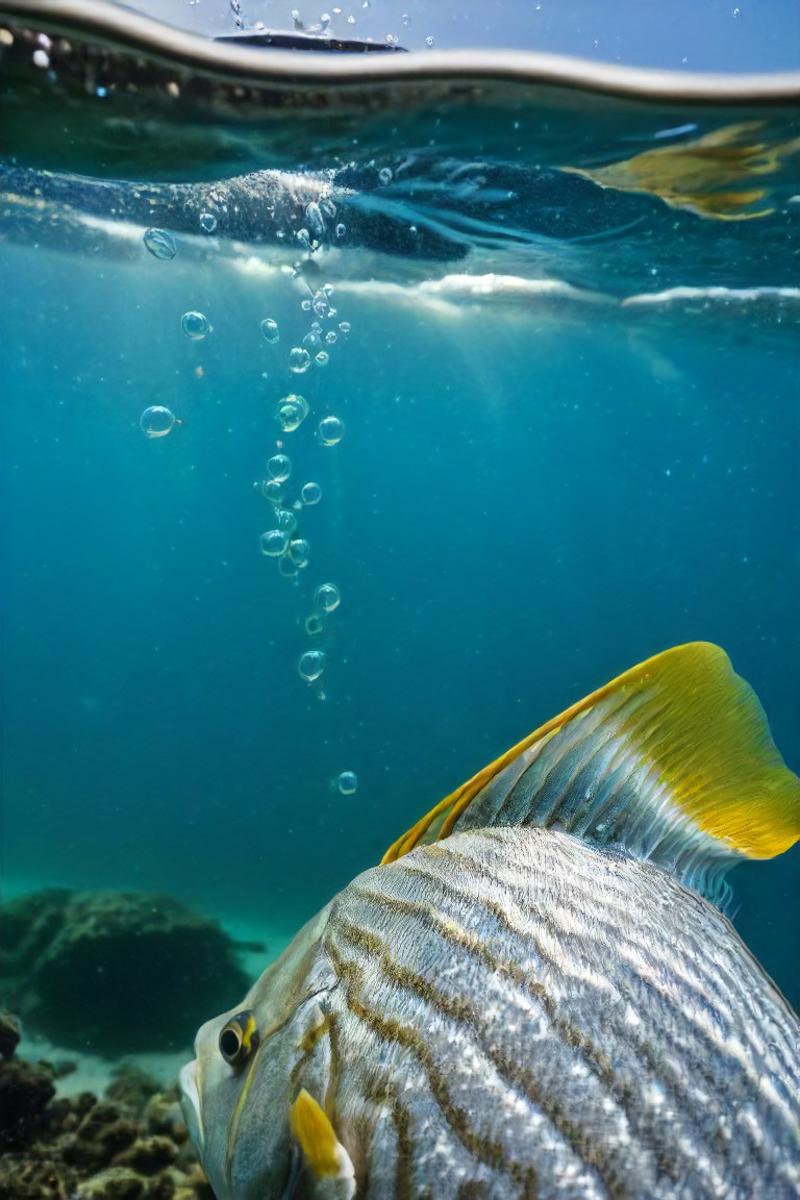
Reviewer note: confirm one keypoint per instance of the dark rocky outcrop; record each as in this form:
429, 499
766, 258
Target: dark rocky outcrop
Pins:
114, 972
25, 1092
10, 1033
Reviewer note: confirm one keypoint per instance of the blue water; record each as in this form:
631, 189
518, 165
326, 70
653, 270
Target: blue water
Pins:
531, 495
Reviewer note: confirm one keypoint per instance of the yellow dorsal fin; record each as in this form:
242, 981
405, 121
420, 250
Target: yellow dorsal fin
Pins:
672, 761
325, 1155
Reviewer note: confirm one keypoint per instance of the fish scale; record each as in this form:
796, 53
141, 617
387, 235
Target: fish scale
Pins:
688, 1047
505, 1009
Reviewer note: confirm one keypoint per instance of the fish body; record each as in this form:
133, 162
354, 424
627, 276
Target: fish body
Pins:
511, 1009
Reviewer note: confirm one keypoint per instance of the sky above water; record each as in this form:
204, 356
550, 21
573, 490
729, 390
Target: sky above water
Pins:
700, 35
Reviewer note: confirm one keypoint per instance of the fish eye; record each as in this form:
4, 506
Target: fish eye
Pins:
230, 1043
238, 1039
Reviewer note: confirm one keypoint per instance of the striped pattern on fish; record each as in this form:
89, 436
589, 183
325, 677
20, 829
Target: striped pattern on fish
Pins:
530, 999
467, 951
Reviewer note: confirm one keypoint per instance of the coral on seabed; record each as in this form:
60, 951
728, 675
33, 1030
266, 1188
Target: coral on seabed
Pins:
113, 972
25, 1092
130, 1145
10, 1033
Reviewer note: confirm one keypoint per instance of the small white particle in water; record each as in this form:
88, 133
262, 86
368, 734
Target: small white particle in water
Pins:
676, 130
41, 59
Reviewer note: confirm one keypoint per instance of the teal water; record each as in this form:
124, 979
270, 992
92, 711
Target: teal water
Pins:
537, 486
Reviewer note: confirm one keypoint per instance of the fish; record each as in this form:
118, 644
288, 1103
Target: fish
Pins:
536, 993
712, 176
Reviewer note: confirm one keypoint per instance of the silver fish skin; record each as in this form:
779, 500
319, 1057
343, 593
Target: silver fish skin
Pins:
511, 1013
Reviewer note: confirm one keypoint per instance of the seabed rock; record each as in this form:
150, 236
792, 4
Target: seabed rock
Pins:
114, 972
10, 1033
25, 1092
129, 1146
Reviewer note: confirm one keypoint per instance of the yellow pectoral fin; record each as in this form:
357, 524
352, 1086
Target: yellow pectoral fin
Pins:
325, 1155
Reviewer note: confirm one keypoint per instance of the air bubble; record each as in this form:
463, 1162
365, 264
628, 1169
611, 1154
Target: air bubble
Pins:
327, 598
311, 493
341, 230
160, 243
430, 42
310, 665
322, 358
347, 783
286, 520
279, 467
208, 222
272, 490
385, 175
299, 360
270, 331
331, 431
291, 413
195, 325
157, 421
314, 625
299, 552
274, 543
345, 327
330, 337
314, 218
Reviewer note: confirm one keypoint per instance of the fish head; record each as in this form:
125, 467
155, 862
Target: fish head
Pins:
237, 1093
